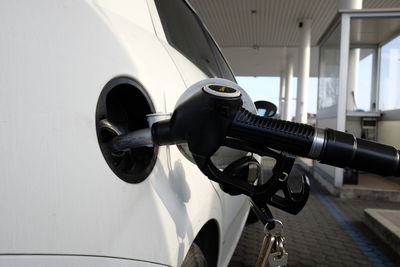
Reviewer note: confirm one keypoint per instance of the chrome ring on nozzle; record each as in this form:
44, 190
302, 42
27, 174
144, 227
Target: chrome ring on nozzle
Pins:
317, 144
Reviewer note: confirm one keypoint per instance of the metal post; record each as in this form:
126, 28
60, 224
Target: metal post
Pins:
304, 71
375, 79
352, 84
288, 88
342, 93
282, 96
343, 73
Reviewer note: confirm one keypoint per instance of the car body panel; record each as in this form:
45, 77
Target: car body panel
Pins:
69, 261
57, 194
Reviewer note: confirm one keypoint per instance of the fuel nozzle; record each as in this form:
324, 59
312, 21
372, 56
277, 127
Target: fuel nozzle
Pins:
204, 119
201, 120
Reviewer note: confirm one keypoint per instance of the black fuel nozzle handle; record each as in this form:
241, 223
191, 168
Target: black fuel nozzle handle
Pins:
326, 145
202, 121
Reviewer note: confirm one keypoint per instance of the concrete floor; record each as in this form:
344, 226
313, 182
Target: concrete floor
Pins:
327, 232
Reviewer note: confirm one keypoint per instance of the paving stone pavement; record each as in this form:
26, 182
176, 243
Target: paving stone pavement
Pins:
314, 237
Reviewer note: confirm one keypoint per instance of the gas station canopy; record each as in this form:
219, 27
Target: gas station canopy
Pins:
257, 36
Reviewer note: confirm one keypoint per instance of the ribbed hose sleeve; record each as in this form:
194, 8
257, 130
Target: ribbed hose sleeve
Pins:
328, 146
295, 138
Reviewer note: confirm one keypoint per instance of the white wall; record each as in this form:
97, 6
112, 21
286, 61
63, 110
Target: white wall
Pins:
388, 133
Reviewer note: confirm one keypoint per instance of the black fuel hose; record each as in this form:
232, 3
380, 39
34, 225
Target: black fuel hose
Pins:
325, 145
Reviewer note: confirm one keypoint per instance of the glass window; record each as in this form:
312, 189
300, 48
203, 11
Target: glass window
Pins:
360, 81
389, 82
225, 70
187, 34
328, 86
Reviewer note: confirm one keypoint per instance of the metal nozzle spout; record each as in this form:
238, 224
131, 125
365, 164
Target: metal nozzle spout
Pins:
131, 140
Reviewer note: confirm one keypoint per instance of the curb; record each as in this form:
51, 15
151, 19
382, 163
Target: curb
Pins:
386, 224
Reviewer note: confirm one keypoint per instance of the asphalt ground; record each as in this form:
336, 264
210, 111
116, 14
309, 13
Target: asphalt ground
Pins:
327, 232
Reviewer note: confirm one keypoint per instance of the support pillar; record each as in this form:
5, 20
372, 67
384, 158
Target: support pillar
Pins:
282, 96
344, 68
354, 58
288, 88
304, 71
352, 78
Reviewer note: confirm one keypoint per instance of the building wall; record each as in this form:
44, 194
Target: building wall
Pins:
388, 133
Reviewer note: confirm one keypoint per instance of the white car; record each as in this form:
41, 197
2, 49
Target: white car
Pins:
73, 74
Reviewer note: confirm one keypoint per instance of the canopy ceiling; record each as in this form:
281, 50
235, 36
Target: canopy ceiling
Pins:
256, 35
